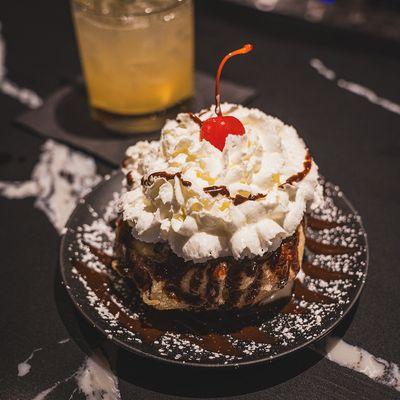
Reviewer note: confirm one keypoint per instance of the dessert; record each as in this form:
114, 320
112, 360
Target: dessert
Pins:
213, 213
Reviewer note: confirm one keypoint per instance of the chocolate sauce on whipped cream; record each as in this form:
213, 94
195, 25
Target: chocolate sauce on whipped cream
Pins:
239, 199
166, 175
224, 191
196, 119
302, 174
214, 191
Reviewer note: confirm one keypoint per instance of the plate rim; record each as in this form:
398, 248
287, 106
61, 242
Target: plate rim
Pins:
63, 260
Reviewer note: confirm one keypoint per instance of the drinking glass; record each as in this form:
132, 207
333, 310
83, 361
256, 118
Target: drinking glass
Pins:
137, 59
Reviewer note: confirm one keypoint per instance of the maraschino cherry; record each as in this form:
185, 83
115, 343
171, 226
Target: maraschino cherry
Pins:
216, 129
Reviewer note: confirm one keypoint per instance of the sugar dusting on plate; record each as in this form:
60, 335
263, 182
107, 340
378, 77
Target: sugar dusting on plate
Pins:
336, 269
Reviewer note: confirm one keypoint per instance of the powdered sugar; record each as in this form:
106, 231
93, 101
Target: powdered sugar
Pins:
306, 320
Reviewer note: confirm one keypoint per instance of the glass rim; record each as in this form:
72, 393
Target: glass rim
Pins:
177, 4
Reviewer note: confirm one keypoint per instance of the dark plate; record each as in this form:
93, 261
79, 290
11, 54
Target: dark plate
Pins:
335, 273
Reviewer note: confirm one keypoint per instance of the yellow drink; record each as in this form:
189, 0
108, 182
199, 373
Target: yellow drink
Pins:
137, 56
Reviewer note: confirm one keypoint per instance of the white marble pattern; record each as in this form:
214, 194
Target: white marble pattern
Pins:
370, 95
60, 178
354, 87
24, 367
322, 69
94, 379
43, 394
9, 88
360, 360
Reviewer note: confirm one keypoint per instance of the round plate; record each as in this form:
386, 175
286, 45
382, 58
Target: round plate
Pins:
335, 269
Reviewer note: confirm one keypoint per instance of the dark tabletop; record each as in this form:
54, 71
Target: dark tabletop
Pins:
355, 142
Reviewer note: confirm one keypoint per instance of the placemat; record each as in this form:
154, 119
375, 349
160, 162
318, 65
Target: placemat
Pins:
65, 116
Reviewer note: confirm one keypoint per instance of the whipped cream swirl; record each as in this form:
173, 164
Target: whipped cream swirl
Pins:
166, 200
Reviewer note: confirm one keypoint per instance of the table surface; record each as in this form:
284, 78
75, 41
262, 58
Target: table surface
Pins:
355, 141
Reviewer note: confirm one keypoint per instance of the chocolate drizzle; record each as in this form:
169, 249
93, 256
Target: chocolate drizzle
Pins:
316, 272
129, 178
203, 329
217, 343
254, 289
293, 307
195, 281
99, 283
238, 199
326, 248
203, 285
222, 189
196, 119
320, 224
125, 162
162, 174
103, 257
301, 292
214, 191
302, 174
253, 334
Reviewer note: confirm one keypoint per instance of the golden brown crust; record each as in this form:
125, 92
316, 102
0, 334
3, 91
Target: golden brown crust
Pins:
166, 281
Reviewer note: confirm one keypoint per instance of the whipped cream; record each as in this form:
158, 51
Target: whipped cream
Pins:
175, 208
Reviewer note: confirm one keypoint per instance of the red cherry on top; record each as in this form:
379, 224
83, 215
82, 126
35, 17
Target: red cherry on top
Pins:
216, 129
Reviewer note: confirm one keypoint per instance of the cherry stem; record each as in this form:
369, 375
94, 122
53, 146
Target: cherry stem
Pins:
243, 50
